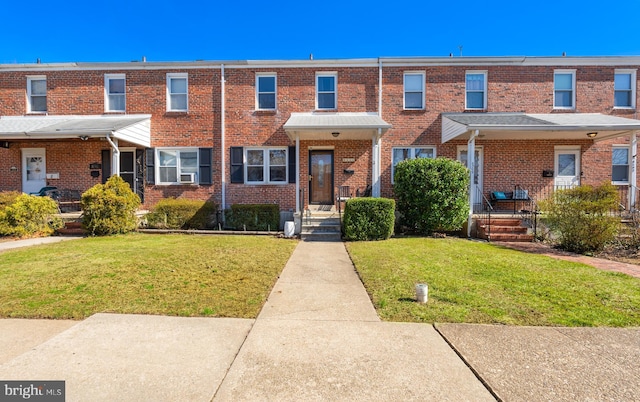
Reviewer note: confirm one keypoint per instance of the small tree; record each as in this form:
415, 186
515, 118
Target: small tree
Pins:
432, 194
109, 208
581, 217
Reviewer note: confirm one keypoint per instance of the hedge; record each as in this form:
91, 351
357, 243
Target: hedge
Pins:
368, 218
172, 213
253, 217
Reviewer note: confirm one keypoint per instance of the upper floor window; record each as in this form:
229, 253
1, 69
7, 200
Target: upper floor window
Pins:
401, 154
476, 90
266, 91
114, 86
177, 92
620, 165
564, 93
37, 94
414, 90
177, 166
266, 165
624, 86
326, 92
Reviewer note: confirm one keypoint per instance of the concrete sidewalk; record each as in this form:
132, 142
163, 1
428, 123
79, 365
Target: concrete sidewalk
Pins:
13, 244
318, 337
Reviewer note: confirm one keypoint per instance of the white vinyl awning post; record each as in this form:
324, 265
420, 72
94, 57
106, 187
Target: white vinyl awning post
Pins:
115, 156
634, 172
375, 164
471, 164
298, 174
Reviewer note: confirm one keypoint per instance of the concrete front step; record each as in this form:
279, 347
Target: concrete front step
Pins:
321, 226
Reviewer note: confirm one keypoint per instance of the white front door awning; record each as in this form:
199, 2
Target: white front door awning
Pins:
528, 126
135, 129
335, 126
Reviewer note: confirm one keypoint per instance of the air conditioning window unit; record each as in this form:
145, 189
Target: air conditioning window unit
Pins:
187, 177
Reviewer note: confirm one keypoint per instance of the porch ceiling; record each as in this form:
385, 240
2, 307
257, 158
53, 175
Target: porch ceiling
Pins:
320, 126
524, 126
131, 128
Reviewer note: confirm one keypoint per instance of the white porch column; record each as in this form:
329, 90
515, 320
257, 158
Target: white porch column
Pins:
115, 156
298, 173
634, 173
471, 164
375, 164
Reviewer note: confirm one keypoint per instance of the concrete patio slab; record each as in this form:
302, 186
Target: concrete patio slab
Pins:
359, 361
559, 364
18, 335
112, 357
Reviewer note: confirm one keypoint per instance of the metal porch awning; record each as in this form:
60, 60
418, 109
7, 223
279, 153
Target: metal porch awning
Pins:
135, 129
335, 126
529, 126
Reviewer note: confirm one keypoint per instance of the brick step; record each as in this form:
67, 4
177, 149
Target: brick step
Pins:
503, 229
72, 228
511, 237
500, 222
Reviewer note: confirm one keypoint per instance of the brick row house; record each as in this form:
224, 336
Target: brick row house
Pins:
292, 132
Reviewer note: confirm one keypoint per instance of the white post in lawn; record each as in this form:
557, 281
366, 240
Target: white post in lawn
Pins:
634, 172
471, 164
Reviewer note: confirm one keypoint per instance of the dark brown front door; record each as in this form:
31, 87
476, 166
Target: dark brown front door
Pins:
321, 177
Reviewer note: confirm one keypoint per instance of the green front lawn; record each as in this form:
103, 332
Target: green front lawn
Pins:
184, 275
476, 282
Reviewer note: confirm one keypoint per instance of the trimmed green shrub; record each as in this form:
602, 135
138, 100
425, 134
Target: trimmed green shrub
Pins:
29, 215
109, 208
8, 197
432, 194
581, 217
171, 213
253, 217
368, 218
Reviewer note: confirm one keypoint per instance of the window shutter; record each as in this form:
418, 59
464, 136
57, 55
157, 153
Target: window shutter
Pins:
150, 165
139, 169
206, 162
292, 165
106, 165
237, 166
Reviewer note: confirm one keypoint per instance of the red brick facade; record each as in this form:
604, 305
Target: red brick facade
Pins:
511, 87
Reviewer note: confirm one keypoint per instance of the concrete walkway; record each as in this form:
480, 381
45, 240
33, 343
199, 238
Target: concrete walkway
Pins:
318, 337
13, 244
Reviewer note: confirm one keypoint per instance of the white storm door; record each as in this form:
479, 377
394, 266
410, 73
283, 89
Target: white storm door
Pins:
567, 168
34, 169
477, 177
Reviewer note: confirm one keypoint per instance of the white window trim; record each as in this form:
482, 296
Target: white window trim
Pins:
573, 89
178, 150
333, 74
404, 90
484, 91
107, 106
275, 90
170, 76
629, 161
265, 166
412, 154
633, 87
35, 78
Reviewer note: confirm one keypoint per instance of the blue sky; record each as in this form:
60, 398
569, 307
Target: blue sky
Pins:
125, 30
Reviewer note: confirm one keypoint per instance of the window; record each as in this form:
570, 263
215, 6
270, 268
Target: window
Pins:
326, 93
114, 87
175, 165
414, 90
177, 85
266, 91
401, 154
620, 165
37, 94
476, 88
564, 95
266, 165
624, 86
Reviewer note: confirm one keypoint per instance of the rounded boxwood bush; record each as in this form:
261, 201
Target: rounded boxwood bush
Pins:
29, 215
109, 208
368, 218
432, 194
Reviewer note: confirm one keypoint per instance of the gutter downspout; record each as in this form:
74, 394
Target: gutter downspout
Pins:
471, 164
375, 149
222, 142
115, 170
298, 210
634, 171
